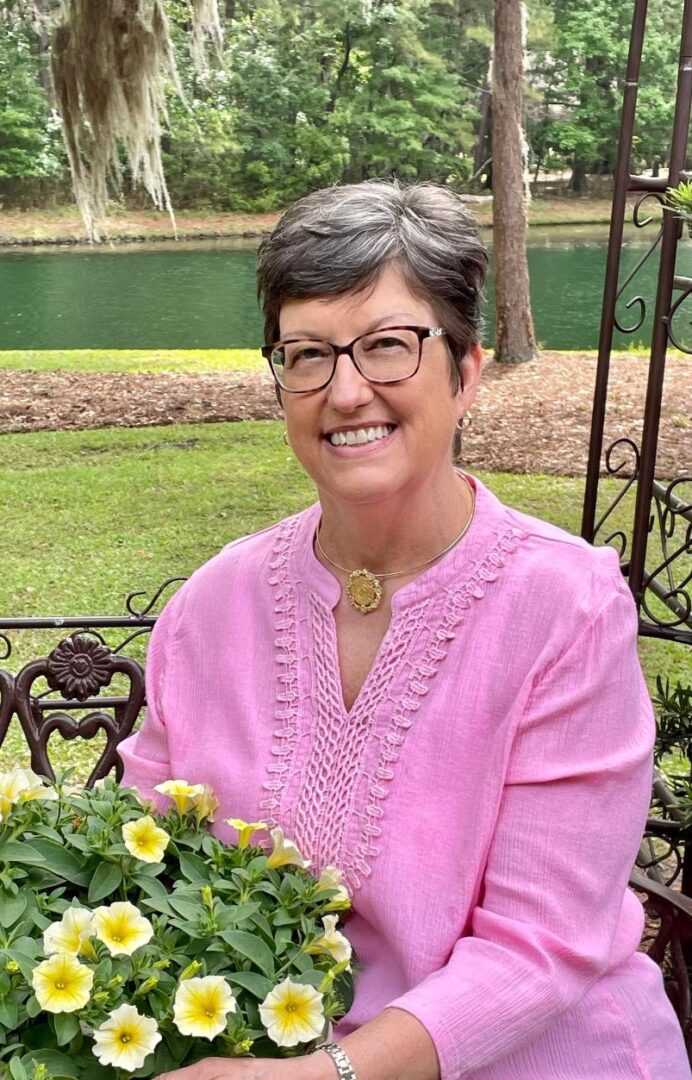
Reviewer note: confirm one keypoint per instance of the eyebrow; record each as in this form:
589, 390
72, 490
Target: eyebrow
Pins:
398, 318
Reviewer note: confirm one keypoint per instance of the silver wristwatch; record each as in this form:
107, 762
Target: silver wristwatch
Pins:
340, 1058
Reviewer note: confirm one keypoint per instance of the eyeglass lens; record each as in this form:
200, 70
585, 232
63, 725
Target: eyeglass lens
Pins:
383, 356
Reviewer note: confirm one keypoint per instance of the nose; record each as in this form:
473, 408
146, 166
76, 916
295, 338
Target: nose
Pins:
348, 389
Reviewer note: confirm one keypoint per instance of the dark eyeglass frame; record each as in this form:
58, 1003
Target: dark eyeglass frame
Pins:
422, 333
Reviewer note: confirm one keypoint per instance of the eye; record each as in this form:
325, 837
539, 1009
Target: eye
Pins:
305, 352
385, 341
310, 352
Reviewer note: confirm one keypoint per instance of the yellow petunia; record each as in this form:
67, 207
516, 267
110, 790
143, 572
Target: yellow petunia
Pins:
126, 1038
145, 840
331, 878
285, 852
122, 928
71, 934
182, 793
202, 1005
205, 805
62, 984
245, 829
332, 941
20, 786
292, 1013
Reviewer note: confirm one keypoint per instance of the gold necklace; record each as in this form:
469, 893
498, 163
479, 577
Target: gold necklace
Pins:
364, 589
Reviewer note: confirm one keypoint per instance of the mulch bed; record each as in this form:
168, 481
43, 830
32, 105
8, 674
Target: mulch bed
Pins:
530, 418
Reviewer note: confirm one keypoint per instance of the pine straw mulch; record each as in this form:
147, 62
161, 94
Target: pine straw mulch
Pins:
530, 418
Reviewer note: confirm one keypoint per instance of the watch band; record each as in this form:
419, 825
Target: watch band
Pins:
340, 1058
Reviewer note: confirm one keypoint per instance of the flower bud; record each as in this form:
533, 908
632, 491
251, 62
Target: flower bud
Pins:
12, 967
113, 983
191, 970
147, 985
207, 896
162, 964
101, 997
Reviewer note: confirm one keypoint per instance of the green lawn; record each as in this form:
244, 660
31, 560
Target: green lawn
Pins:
137, 361
91, 515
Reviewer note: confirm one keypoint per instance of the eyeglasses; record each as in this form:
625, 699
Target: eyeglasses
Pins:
391, 354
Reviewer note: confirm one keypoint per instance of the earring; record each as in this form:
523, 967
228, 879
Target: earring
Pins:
285, 437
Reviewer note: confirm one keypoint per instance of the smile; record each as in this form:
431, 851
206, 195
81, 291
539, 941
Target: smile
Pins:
360, 436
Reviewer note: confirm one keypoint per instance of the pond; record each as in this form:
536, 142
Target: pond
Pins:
197, 296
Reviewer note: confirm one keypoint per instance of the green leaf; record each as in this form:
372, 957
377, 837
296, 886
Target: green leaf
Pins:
66, 1027
76, 840
32, 1007
107, 878
193, 868
11, 907
8, 1013
313, 977
61, 861
60, 1066
257, 984
20, 851
187, 908
24, 955
251, 947
156, 903
17, 1070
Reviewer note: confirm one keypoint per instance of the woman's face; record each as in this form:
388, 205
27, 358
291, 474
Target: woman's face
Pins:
419, 414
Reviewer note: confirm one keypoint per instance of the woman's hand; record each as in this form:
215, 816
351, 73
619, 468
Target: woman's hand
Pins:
247, 1069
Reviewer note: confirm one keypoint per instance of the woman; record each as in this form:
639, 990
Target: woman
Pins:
423, 687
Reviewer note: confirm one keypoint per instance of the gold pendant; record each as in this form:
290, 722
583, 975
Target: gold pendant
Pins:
364, 591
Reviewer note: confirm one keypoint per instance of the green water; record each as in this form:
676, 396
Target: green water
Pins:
203, 295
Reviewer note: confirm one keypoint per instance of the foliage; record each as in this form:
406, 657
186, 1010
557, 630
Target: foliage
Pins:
674, 706
30, 144
577, 77
303, 95
142, 909
679, 200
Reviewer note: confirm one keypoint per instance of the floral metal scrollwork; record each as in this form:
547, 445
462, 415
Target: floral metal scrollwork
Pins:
670, 580
684, 285
640, 223
151, 604
621, 468
78, 667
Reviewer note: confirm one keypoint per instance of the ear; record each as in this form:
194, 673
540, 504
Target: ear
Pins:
471, 371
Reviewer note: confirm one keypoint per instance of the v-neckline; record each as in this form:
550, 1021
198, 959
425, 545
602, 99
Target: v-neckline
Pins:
403, 626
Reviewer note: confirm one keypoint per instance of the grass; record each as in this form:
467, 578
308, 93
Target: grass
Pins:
91, 515
63, 224
136, 361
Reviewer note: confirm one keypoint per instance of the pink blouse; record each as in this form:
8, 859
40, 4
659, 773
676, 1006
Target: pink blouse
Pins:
485, 795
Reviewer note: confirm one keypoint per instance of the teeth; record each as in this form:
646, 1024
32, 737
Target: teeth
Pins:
360, 436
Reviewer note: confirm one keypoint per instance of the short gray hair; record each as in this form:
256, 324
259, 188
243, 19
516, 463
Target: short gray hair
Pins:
339, 240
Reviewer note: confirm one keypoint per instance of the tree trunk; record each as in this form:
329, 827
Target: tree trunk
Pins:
514, 334
577, 181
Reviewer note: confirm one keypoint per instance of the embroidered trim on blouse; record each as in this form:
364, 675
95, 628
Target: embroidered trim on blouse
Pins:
333, 771
286, 642
340, 740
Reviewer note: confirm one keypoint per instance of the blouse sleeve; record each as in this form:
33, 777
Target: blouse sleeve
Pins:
569, 826
145, 754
